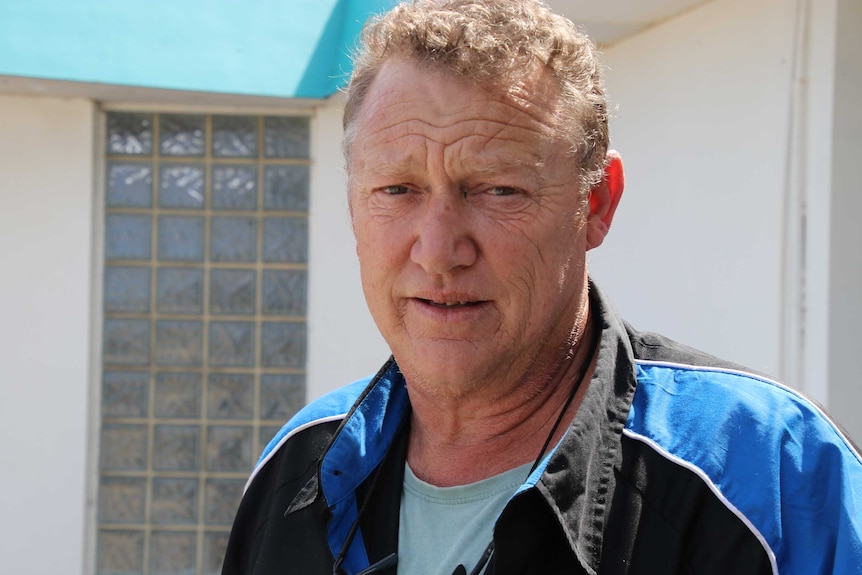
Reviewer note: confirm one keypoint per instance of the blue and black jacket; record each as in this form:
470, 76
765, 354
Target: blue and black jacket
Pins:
676, 463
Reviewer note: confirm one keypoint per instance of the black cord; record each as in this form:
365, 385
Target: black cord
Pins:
390, 560
572, 394
352, 533
489, 550
486, 556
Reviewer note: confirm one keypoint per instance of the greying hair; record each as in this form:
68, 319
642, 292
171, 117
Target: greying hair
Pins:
495, 43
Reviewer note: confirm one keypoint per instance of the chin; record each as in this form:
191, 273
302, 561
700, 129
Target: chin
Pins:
444, 377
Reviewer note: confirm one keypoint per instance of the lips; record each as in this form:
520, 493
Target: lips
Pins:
449, 304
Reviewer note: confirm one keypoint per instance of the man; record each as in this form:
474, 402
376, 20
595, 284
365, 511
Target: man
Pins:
521, 426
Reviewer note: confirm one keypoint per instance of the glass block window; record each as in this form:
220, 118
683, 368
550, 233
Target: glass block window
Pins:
206, 275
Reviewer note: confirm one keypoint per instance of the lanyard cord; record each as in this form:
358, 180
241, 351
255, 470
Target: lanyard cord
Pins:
352, 533
389, 560
489, 550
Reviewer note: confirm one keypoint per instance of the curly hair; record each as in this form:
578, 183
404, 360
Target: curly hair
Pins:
494, 43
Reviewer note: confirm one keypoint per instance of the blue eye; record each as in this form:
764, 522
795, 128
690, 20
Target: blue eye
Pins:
395, 190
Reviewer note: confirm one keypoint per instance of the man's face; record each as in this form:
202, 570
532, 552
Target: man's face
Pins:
469, 228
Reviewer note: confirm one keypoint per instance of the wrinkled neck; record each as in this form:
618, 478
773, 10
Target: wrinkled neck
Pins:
461, 440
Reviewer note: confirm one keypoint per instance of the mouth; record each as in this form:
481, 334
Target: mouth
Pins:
450, 304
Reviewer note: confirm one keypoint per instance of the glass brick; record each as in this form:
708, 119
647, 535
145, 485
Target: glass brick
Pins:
181, 238
232, 291
283, 344
233, 239
129, 185
120, 553
123, 447
176, 447
215, 546
231, 343
286, 137
127, 289
229, 448
286, 188
285, 239
125, 393
173, 553
174, 501
284, 292
234, 136
129, 133
230, 396
222, 500
181, 134
234, 187
266, 433
126, 342
179, 342
122, 499
181, 186
180, 290
177, 395
281, 395
128, 237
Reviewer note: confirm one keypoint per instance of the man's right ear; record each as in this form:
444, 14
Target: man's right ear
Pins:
604, 199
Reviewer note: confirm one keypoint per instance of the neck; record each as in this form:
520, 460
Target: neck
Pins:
472, 437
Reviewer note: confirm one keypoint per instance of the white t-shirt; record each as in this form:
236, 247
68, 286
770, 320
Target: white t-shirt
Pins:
442, 527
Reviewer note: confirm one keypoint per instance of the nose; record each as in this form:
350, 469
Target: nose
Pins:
444, 239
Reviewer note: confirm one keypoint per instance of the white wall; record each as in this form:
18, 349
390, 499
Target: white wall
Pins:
46, 228
702, 124
845, 317
343, 342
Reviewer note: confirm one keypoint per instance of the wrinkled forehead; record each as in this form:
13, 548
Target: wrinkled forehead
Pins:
407, 87
411, 112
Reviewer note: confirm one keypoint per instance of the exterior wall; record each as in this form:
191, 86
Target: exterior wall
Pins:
812, 164
845, 278
696, 249
46, 230
343, 342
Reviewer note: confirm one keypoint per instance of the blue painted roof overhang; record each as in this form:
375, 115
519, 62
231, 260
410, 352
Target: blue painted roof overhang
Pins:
274, 48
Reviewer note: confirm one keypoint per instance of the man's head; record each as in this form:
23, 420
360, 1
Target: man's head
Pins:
496, 43
471, 207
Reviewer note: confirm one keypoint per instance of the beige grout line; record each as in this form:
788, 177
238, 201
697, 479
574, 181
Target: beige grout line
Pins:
154, 228
205, 322
258, 323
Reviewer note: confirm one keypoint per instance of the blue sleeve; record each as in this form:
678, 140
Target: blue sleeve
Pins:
771, 455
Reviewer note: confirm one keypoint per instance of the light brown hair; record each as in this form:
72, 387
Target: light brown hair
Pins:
494, 43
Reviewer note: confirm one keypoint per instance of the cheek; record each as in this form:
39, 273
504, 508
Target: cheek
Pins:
378, 260
540, 267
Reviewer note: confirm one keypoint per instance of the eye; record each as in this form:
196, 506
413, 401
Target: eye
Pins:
395, 190
502, 191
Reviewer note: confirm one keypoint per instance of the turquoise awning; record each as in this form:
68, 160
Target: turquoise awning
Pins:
276, 48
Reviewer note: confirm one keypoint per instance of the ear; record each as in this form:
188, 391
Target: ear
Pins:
604, 199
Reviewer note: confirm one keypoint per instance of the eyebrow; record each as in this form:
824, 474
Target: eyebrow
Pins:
400, 165
500, 165
395, 167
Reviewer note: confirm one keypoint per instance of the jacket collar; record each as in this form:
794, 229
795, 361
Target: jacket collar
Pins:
577, 478
366, 433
